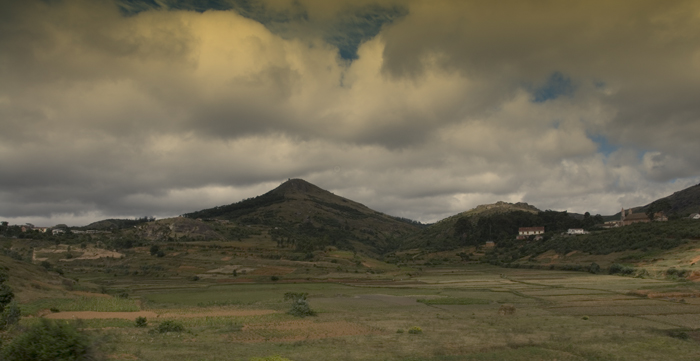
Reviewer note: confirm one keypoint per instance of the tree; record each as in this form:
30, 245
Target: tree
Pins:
49, 340
662, 205
154, 250
300, 306
6, 294
10, 316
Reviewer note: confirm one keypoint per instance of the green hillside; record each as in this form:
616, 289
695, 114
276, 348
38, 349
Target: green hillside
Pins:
303, 216
678, 204
493, 222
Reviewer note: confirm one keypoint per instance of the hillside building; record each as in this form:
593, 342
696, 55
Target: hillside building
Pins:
525, 232
575, 231
631, 218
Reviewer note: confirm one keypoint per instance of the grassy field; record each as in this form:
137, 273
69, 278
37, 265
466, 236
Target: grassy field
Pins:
365, 309
460, 311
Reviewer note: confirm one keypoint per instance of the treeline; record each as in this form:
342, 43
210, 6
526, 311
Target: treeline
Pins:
642, 237
499, 227
239, 209
115, 223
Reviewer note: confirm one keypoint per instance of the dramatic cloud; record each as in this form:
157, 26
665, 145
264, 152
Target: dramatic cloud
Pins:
419, 109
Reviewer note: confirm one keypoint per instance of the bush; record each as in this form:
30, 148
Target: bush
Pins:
594, 268
141, 322
671, 272
415, 330
506, 310
6, 296
618, 268
10, 316
300, 307
49, 340
274, 278
169, 326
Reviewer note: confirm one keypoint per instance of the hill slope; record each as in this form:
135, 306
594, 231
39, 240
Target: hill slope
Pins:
495, 222
681, 203
301, 215
449, 233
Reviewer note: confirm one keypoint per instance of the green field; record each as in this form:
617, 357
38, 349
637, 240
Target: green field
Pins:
558, 316
230, 299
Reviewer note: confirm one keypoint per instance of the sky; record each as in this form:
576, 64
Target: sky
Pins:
416, 108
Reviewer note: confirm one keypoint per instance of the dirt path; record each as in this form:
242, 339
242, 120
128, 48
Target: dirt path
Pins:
91, 315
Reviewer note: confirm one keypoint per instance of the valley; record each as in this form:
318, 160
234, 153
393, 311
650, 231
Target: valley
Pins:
301, 274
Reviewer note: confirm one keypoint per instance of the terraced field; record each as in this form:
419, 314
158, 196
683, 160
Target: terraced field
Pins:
557, 316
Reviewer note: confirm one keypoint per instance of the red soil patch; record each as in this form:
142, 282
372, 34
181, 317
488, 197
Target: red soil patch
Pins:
92, 315
90, 294
650, 294
219, 313
191, 268
272, 271
235, 280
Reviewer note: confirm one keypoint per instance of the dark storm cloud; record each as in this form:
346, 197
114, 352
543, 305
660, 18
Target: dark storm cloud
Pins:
420, 109
347, 30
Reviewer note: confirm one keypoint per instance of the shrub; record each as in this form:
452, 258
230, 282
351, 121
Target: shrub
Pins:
399, 331
10, 315
274, 278
415, 330
169, 326
671, 272
594, 268
141, 322
618, 268
6, 296
49, 340
506, 310
54, 309
679, 334
295, 295
300, 306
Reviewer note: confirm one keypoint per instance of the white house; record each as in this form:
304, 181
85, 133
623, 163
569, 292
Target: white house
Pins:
574, 231
525, 232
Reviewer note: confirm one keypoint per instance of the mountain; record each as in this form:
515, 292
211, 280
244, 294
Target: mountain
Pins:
301, 215
678, 204
681, 203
